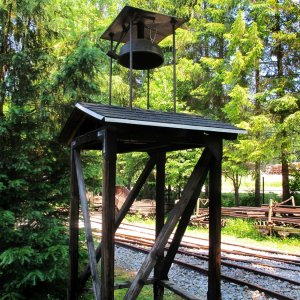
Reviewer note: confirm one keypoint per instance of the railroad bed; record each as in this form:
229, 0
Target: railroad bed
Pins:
264, 273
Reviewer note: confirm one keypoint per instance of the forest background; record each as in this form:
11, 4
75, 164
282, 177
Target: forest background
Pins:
238, 61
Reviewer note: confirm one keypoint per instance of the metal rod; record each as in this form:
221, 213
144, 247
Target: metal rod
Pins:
173, 22
148, 89
130, 65
110, 68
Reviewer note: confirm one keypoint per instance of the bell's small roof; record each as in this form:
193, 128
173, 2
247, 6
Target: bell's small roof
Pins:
157, 25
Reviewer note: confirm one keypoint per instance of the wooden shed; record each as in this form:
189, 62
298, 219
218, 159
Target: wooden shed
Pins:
113, 130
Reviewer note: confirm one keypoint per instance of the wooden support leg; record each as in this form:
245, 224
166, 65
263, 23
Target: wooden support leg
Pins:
108, 217
87, 226
158, 290
214, 264
74, 233
161, 241
120, 216
183, 223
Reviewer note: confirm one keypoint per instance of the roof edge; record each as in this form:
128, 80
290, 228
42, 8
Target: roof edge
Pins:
89, 112
178, 126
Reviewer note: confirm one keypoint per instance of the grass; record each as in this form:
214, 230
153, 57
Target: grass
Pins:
123, 276
270, 181
138, 219
147, 291
242, 230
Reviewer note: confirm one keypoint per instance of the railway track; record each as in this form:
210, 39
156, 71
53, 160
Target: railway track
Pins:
230, 278
272, 273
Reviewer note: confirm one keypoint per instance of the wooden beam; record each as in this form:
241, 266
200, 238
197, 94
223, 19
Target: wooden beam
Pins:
126, 284
121, 215
108, 216
73, 233
178, 291
148, 134
166, 231
89, 138
183, 223
87, 225
158, 290
214, 263
153, 147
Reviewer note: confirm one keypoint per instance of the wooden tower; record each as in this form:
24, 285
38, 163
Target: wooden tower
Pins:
112, 130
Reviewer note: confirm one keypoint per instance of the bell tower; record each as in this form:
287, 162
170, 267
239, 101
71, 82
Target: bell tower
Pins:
141, 31
113, 130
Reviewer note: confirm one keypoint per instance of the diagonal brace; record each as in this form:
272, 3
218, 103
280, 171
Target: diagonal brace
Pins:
183, 223
120, 216
87, 225
195, 179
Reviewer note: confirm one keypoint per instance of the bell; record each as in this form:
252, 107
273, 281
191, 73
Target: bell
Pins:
145, 55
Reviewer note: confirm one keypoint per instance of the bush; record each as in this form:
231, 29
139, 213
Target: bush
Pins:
33, 237
247, 199
241, 228
295, 184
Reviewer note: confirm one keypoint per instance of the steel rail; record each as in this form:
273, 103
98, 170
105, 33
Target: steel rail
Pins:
205, 272
224, 263
236, 252
253, 270
205, 256
224, 243
205, 239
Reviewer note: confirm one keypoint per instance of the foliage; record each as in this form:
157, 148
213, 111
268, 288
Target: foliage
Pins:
244, 229
245, 199
241, 228
295, 184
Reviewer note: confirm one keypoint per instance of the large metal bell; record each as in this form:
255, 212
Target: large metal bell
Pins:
145, 55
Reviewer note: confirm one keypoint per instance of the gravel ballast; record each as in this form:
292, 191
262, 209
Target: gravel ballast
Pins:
196, 283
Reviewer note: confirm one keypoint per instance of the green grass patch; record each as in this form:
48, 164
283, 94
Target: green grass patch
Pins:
138, 219
124, 276
241, 228
244, 230
146, 292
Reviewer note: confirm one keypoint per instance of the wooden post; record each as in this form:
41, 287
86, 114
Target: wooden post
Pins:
120, 216
108, 216
174, 215
293, 201
270, 213
73, 233
158, 290
198, 206
214, 264
87, 226
183, 223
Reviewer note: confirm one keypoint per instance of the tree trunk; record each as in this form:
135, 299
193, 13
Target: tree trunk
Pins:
257, 184
236, 190
285, 171
283, 148
3, 53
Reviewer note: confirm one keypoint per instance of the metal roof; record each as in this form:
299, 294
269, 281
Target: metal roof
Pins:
159, 25
139, 117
